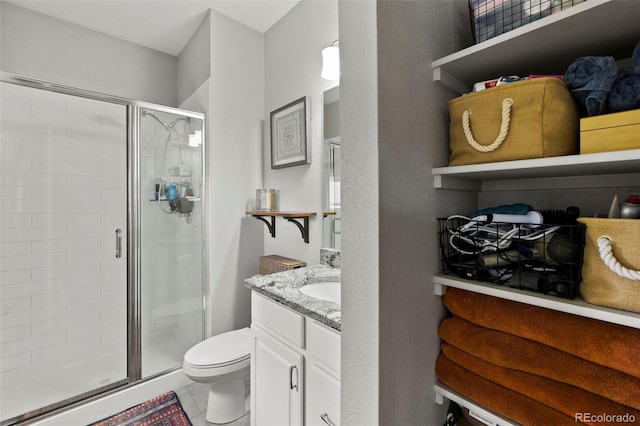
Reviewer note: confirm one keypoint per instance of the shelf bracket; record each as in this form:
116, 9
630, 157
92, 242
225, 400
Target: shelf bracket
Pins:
271, 225
303, 227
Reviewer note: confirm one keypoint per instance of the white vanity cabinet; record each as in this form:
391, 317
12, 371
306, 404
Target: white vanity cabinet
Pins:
295, 367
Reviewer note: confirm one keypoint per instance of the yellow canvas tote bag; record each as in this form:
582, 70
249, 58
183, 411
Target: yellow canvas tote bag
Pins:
526, 119
611, 267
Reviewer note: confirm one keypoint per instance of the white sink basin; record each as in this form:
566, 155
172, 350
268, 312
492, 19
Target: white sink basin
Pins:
325, 290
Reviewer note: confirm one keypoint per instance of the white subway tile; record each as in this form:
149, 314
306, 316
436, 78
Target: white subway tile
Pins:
62, 323
15, 333
11, 263
17, 304
65, 296
32, 234
32, 288
15, 108
63, 271
12, 164
14, 221
9, 278
18, 248
28, 317
66, 353
34, 124
12, 193
15, 361
15, 136
115, 312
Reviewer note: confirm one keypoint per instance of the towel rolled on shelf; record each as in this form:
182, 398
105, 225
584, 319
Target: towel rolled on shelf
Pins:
590, 79
625, 93
565, 398
611, 345
507, 403
519, 354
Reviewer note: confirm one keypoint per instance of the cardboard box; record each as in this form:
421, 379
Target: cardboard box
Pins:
273, 263
610, 132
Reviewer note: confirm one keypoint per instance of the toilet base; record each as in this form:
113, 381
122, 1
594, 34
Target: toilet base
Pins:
227, 401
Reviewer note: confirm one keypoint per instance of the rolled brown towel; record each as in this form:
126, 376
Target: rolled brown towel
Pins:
503, 401
604, 343
517, 353
565, 398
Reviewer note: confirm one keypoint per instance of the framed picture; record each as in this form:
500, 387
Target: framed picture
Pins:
290, 135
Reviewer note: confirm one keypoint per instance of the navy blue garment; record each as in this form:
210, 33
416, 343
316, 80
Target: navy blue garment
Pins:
625, 93
590, 79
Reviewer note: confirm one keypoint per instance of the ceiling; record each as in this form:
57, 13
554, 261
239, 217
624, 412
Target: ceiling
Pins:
164, 25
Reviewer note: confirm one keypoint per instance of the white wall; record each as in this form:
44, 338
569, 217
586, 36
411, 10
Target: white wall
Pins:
234, 139
293, 62
41, 47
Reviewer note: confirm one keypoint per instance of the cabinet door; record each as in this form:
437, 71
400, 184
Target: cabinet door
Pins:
323, 398
276, 382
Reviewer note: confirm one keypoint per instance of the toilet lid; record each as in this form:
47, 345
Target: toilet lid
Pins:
221, 349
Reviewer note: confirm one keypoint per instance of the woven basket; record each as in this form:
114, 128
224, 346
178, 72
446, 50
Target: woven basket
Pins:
611, 268
527, 119
273, 263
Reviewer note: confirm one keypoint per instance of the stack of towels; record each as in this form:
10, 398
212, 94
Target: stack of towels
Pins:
599, 88
537, 366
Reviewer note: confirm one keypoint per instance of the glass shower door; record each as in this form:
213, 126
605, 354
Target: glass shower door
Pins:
63, 251
172, 237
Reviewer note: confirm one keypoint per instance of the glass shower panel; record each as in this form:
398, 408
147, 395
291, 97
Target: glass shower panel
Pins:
63, 297
172, 230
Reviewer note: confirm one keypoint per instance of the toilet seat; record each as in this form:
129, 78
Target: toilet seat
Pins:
222, 350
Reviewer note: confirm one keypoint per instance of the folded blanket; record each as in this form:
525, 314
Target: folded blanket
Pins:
520, 354
625, 92
565, 398
505, 402
607, 344
590, 79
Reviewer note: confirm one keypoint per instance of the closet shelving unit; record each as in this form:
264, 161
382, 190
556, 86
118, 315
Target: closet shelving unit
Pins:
591, 28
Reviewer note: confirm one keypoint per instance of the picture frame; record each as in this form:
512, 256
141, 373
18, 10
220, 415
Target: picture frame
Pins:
290, 134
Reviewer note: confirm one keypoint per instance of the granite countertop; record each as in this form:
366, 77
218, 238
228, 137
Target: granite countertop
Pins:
283, 288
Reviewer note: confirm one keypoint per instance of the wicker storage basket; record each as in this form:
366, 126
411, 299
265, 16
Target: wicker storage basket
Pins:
611, 268
274, 263
526, 119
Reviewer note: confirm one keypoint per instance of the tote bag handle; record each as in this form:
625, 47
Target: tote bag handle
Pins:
504, 128
607, 256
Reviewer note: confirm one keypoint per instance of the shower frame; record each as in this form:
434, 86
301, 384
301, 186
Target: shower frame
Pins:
134, 273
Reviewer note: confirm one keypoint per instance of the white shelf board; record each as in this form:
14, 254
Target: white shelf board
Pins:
546, 46
602, 163
443, 390
576, 306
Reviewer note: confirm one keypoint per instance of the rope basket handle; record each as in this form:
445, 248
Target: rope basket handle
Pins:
504, 128
607, 256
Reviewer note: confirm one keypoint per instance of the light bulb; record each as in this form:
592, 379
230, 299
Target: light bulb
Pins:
331, 63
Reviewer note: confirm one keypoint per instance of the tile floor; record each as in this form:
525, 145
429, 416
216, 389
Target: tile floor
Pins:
193, 398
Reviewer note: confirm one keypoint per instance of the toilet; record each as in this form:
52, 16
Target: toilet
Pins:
222, 362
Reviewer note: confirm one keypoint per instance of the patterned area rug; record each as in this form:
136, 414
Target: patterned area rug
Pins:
163, 410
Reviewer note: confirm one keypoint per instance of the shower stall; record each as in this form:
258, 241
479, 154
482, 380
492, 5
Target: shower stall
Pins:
102, 244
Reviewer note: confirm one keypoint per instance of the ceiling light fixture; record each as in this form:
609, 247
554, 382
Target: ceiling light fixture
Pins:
331, 62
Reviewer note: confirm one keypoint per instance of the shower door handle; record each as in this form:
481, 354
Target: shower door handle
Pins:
118, 243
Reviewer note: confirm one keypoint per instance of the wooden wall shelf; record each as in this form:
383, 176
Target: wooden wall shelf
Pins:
290, 216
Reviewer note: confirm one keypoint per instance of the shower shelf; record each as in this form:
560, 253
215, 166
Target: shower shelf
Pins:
292, 217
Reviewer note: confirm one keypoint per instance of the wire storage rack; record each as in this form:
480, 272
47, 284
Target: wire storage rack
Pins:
545, 258
490, 18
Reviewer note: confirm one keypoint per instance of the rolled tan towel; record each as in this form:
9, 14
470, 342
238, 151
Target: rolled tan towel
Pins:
565, 398
505, 402
604, 343
514, 352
